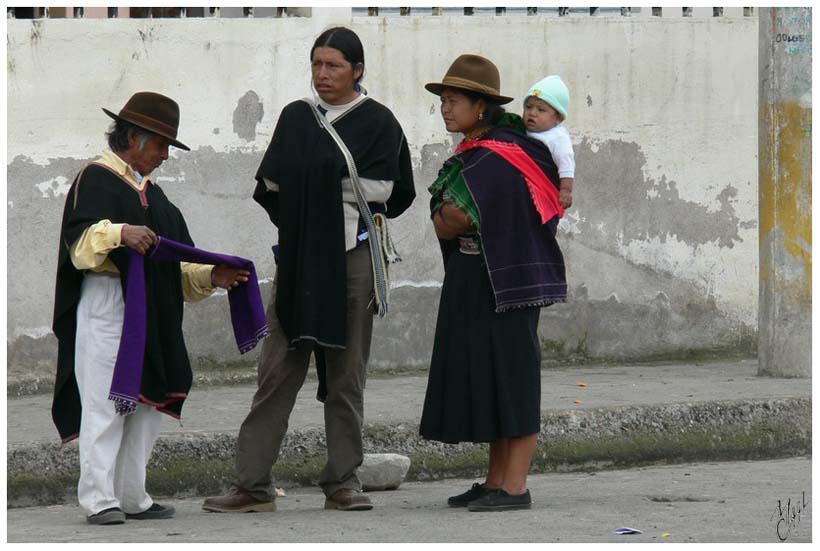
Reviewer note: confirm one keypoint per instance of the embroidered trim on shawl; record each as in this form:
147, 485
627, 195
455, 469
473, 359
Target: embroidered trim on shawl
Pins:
250, 344
171, 398
141, 192
538, 303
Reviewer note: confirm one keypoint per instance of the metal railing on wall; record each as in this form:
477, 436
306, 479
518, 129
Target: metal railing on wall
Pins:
152, 12
270, 11
559, 11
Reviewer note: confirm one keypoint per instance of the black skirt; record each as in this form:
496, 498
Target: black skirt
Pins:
485, 374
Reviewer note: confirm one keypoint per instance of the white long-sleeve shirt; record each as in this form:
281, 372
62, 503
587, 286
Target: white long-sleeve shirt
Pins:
560, 145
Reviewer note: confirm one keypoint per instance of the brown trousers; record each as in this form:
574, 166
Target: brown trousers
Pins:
281, 374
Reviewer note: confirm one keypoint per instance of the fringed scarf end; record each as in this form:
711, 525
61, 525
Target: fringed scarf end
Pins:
379, 305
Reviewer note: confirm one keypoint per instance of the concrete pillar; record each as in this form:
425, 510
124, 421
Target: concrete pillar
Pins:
784, 134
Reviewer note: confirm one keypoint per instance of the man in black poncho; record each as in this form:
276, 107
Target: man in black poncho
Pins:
113, 205
321, 303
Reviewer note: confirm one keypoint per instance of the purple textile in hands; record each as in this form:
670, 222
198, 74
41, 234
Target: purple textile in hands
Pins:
247, 314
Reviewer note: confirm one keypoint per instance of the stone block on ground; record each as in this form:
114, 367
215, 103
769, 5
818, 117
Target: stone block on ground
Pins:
383, 471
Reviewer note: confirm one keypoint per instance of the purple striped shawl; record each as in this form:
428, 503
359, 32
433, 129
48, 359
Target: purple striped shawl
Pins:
247, 315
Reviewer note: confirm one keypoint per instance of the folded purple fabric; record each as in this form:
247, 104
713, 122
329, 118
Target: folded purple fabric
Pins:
247, 314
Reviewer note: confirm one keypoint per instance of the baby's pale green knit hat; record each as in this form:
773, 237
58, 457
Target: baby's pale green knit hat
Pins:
552, 90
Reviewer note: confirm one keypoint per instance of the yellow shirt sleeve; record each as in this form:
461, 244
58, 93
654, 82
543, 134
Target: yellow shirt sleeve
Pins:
90, 251
196, 281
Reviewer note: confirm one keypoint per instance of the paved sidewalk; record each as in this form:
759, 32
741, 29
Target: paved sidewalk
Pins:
628, 415
399, 399
705, 502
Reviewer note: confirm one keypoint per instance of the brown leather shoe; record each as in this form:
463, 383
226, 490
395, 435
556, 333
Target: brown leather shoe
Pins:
237, 500
347, 499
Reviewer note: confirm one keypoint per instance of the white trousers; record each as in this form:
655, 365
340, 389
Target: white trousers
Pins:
114, 449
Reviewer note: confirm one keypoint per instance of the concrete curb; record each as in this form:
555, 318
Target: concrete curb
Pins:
199, 464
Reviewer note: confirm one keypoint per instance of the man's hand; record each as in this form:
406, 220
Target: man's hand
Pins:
139, 238
565, 198
226, 277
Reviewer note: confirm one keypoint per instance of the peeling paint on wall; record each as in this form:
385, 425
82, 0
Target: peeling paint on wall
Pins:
54, 177
247, 115
628, 206
54, 187
33, 332
432, 158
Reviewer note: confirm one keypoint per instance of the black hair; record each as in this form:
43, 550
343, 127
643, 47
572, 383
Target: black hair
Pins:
118, 135
493, 111
120, 131
344, 40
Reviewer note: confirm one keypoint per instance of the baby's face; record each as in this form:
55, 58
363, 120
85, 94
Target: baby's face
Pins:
539, 115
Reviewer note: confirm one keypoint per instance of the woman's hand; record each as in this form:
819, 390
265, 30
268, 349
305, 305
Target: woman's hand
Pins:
443, 231
450, 222
139, 238
227, 277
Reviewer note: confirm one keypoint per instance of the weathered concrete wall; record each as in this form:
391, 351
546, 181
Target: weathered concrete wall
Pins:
661, 244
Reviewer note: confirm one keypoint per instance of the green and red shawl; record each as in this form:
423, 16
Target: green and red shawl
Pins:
507, 184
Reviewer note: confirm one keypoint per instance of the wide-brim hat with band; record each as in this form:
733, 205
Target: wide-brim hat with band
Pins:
153, 112
474, 73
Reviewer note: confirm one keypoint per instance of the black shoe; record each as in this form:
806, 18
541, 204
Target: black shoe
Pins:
476, 491
154, 512
499, 500
112, 515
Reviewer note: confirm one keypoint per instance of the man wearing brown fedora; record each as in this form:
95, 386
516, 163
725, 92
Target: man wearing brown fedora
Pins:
112, 206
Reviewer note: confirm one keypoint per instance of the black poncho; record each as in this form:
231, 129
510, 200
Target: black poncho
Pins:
307, 165
96, 194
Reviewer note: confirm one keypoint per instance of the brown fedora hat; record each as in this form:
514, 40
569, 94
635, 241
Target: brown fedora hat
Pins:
474, 73
153, 112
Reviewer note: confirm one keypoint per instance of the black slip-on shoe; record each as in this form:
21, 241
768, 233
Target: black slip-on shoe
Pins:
154, 512
499, 500
112, 515
476, 491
